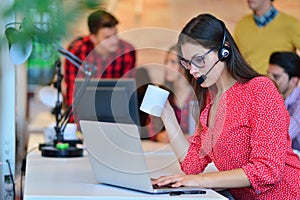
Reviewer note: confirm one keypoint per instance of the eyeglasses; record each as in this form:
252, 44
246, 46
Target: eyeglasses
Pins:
197, 60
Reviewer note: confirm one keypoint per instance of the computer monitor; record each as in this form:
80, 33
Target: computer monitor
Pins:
108, 100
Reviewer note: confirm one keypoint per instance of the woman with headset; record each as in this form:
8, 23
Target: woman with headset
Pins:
243, 125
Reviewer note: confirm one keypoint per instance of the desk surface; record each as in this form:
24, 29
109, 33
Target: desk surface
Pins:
72, 178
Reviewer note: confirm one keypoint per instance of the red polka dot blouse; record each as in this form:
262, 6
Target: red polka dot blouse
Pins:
250, 132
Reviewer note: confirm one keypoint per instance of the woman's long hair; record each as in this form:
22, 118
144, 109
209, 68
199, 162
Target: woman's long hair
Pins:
208, 31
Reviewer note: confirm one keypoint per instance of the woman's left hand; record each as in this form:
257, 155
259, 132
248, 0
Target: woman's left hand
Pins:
179, 180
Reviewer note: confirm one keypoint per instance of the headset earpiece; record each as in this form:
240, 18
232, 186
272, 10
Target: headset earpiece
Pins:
224, 52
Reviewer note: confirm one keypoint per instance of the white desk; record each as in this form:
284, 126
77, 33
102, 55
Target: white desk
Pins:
72, 178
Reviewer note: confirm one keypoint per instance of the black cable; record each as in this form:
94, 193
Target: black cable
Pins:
12, 179
23, 168
21, 186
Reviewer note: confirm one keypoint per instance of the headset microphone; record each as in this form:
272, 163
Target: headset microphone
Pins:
202, 78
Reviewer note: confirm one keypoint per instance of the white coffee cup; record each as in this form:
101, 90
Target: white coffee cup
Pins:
154, 100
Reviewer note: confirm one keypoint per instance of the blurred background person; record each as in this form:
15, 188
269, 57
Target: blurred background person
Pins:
176, 81
284, 68
265, 31
112, 56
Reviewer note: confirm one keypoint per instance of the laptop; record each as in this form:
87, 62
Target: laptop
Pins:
117, 157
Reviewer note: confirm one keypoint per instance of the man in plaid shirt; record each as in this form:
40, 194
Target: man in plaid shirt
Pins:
113, 57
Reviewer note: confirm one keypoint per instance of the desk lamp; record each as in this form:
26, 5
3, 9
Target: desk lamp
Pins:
20, 48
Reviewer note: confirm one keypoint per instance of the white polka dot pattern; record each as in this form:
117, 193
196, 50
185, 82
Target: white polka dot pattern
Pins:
250, 132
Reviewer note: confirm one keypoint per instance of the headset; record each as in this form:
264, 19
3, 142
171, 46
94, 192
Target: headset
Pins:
224, 52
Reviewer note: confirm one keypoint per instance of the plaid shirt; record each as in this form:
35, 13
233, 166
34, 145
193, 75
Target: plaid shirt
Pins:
292, 103
266, 18
117, 65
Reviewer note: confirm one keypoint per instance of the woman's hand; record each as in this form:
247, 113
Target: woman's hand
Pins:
178, 180
218, 180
